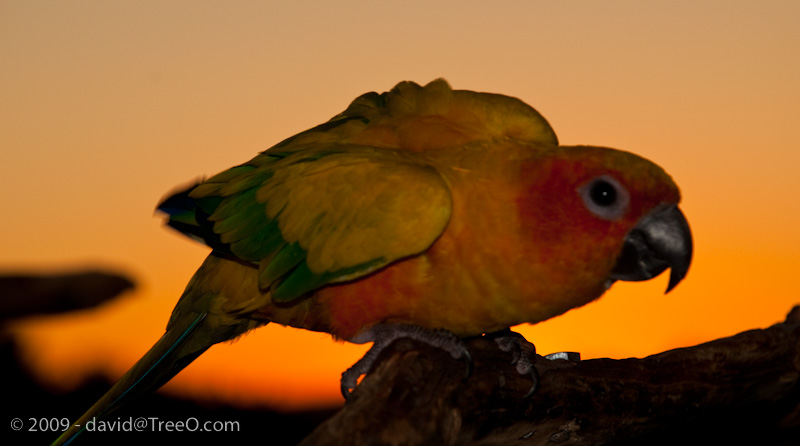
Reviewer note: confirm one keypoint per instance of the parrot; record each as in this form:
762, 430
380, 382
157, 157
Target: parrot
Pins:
422, 212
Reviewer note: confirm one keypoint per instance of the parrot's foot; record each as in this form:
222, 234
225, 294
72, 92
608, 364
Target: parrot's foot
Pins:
509, 341
384, 334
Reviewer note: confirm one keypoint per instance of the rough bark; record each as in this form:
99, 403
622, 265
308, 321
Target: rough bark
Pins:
745, 388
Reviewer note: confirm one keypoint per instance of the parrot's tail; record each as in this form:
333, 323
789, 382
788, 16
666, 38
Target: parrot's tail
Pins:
179, 346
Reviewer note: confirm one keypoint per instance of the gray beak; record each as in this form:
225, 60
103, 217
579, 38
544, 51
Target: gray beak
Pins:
661, 240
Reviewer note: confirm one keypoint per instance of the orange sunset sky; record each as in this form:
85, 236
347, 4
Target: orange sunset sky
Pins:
107, 106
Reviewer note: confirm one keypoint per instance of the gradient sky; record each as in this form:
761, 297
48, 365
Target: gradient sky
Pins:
107, 106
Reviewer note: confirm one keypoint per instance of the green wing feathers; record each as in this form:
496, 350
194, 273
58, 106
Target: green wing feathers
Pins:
318, 216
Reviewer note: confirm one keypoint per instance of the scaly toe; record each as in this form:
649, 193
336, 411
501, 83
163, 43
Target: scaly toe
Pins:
349, 382
509, 341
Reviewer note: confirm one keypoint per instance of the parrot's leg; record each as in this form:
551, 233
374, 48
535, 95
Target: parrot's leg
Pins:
509, 341
382, 335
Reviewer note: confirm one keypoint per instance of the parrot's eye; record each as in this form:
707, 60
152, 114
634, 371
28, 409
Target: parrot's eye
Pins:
605, 197
603, 193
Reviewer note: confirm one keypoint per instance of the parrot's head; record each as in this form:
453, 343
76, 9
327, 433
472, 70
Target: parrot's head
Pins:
599, 215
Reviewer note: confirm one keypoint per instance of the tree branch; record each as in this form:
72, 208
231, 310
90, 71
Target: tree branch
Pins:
744, 386
24, 295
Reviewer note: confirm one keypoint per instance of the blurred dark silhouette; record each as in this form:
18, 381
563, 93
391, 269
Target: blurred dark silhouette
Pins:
27, 295
26, 399
34, 413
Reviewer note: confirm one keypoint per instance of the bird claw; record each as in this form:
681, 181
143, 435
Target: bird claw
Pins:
509, 341
347, 387
468, 362
384, 334
350, 377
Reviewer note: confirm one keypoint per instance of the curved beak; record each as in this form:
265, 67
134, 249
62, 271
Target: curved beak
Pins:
661, 240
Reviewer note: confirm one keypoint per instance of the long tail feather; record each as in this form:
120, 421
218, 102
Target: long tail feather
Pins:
163, 361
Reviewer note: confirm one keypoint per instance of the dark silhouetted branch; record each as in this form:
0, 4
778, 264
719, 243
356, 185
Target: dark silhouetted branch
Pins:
25, 295
742, 388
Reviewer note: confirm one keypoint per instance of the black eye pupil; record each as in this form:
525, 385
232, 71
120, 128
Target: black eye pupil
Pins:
603, 193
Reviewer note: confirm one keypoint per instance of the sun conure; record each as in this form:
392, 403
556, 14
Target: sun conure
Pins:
418, 212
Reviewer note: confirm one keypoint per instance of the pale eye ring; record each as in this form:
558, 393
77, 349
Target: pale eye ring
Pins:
605, 197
